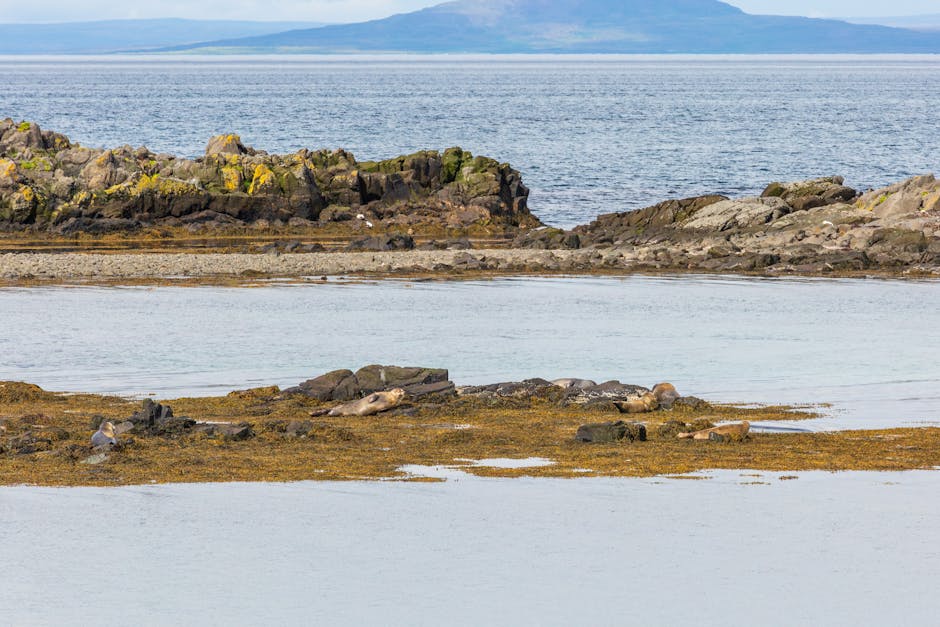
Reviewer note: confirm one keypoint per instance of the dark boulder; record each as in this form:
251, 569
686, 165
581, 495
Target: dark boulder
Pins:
338, 385
236, 432
422, 390
382, 243
611, 432
344, 385
156, 419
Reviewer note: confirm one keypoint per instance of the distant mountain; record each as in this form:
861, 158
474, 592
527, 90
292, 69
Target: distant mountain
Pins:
127, 35
929, 22
588, 26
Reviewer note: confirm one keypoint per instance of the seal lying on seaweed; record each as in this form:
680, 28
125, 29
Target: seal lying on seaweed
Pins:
375, 403
737, 431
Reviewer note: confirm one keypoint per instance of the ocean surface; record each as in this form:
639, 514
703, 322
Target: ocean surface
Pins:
590, 135
734, 550
869, 347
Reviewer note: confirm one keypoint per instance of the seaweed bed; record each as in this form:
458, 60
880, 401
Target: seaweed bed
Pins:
377, 447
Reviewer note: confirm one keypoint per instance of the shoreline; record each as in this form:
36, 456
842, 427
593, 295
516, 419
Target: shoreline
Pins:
201, 268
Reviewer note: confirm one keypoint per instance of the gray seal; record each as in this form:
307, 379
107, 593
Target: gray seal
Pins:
104, 436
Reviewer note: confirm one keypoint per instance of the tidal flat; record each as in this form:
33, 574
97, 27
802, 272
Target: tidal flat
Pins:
273, 437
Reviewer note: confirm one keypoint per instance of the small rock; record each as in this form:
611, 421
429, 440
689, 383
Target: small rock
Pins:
298, 428
236, 432
94, 460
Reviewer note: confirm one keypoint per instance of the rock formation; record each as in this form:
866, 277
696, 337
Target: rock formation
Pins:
814, 226
49, 183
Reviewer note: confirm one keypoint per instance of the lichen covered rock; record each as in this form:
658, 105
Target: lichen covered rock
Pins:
47, 183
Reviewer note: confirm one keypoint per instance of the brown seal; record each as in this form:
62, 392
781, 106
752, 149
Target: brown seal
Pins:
737, 431
373, 404
666, 394
642, 405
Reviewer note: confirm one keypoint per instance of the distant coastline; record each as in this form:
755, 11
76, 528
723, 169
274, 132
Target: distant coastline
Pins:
478, 26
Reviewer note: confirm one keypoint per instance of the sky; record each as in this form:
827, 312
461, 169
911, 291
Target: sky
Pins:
358, 10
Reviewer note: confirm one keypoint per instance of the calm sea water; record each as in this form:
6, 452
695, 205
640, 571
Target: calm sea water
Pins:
827, 549
868, 346
590, 135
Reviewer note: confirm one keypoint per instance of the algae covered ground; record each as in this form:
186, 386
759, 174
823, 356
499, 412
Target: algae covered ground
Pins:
44, 439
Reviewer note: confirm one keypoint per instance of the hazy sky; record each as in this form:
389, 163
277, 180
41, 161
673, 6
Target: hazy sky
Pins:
357, 10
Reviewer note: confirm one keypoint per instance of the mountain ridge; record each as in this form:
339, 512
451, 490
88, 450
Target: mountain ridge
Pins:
586, 26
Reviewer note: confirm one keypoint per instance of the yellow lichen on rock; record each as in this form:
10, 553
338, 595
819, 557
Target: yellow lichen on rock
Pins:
166, 186
232, 178
225, 144
28, 194
931, 202
7, 171
263, 180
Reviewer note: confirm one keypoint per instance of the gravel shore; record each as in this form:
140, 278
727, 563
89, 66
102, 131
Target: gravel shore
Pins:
82, 267
18, 268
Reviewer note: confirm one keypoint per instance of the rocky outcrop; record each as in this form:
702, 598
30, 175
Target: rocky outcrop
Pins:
815, 227
345, 385
49, 183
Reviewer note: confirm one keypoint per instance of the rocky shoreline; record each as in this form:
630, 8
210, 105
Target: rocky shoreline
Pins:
49, 184
440, 213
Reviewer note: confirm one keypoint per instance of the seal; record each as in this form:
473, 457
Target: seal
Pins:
642, 405
574, 384
373, 404
737, 431
666, 394
104, 435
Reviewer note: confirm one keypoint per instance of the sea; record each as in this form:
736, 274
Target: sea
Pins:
590, 135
